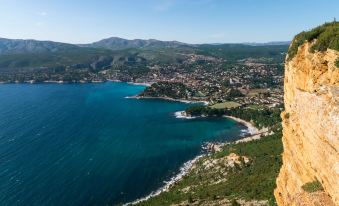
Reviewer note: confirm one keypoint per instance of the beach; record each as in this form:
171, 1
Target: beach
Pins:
147, 84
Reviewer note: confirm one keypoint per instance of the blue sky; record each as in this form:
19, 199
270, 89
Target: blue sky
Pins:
191, 21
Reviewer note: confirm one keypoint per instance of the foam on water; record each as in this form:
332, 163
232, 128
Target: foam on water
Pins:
182, 172
182, 115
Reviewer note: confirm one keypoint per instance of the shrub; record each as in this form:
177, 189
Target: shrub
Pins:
214, 197
235, 203
190, 199
312, 186
326, 35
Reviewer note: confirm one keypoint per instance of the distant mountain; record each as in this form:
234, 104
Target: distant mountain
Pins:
32, 55
20, 46
273, 43
16, 46
17, 54
116, 43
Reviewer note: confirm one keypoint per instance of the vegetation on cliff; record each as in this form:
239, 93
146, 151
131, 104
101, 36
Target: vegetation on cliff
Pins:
312, 186
326, 35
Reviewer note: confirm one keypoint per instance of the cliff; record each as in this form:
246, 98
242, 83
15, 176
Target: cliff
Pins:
310, 171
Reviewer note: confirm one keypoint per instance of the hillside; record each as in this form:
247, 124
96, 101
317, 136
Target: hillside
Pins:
309, 175
235, 52
120, 59
20, 46
234, 174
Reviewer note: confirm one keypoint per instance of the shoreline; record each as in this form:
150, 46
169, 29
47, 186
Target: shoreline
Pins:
253, 131
61, 82
169, 99
147, 84
183, 171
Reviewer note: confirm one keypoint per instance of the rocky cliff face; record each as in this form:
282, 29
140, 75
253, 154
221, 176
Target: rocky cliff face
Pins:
310, 129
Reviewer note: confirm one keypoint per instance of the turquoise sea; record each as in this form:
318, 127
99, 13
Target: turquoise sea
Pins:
86, 144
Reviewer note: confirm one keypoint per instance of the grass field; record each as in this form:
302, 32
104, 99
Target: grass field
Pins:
226, 105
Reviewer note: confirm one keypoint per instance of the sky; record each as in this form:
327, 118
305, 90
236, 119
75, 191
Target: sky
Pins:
189, 21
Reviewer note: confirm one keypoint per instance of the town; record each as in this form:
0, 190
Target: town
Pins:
205, 78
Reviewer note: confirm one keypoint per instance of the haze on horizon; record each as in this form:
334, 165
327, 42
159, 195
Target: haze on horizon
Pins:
189, 21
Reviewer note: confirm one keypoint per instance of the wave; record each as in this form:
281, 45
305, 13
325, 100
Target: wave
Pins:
244, 132
132, 97
182, 115
251, 129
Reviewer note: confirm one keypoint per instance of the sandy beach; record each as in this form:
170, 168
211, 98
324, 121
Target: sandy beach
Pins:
251, 128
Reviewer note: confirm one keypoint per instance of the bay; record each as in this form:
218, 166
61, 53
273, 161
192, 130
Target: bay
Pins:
86, 144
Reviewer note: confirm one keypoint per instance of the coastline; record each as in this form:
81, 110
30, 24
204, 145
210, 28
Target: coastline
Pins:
253, 131
187, 166
183, 171
61, 82
147, 84
170, 99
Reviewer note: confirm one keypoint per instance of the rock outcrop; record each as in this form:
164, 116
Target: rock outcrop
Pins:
310, 129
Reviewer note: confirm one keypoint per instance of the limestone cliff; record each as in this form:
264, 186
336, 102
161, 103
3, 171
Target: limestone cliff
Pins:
310, 128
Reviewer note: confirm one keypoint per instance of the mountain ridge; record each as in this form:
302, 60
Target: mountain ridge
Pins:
31, 45
12, 46
117, 43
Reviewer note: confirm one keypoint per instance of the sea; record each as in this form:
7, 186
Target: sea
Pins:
88, 144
